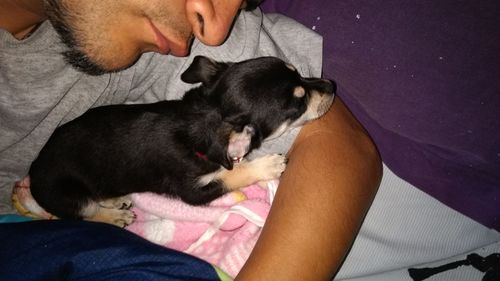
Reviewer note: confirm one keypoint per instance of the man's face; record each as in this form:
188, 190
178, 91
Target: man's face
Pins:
110, 35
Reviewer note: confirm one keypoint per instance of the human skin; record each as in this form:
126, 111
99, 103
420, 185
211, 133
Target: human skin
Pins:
332, 176
334, 169
113, 34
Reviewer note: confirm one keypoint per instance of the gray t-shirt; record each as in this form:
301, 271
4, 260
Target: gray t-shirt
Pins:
39, 91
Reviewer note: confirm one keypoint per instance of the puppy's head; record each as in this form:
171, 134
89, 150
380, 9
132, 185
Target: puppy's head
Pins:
265, 93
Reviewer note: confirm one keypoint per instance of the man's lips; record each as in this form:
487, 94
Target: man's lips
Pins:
165, 46
161, 41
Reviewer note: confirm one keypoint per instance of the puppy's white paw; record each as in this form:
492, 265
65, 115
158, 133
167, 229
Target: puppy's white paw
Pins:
121, 217
126, 217
269, 166
118, 217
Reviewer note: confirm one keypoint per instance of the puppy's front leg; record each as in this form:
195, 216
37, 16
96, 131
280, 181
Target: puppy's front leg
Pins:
245, 173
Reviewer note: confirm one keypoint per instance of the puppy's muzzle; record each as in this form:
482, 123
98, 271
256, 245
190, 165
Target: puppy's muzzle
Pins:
322, 96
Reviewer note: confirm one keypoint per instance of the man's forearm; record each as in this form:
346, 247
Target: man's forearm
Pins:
332, 176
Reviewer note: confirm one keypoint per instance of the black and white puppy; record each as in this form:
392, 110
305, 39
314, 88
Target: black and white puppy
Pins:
182, 148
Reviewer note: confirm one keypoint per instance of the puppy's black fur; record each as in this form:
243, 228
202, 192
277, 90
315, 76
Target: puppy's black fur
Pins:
166, 147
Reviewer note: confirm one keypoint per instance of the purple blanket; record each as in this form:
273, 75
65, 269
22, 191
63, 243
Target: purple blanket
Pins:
423, 77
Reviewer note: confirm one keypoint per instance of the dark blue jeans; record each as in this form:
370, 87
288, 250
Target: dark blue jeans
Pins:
74, 250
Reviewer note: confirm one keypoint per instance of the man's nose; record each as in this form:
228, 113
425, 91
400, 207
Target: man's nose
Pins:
212, 19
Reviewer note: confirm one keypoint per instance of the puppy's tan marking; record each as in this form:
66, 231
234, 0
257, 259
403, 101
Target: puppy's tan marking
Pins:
299, 91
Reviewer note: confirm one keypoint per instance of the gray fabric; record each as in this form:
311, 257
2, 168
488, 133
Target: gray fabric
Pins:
407, 228
39, 91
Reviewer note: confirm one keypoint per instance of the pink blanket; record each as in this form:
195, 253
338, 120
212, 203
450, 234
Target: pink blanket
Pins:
222, 233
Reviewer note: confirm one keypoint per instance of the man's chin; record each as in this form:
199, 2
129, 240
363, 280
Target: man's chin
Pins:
84, 64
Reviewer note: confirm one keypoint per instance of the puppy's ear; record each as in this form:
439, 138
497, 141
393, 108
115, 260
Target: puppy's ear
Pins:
204, 70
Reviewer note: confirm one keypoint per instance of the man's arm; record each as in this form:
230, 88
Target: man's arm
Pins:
332, 176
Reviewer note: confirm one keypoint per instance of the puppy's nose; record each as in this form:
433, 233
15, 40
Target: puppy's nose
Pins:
330, 86
326, 86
